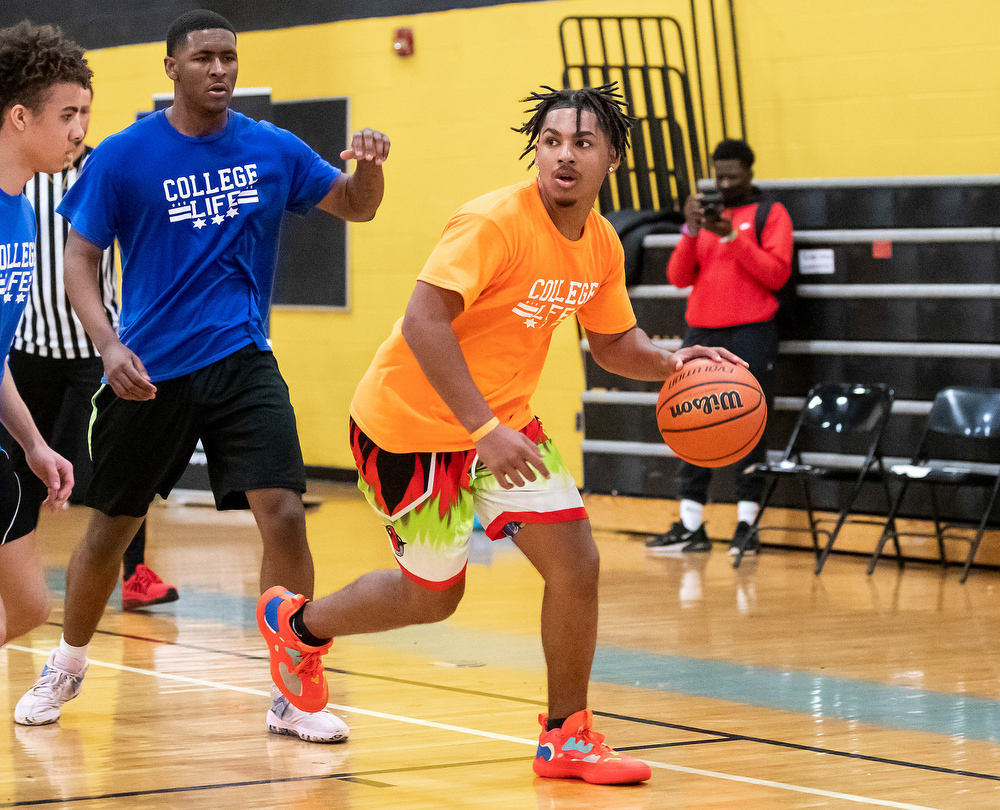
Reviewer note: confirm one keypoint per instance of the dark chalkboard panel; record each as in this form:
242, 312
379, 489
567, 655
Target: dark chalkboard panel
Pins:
312, 261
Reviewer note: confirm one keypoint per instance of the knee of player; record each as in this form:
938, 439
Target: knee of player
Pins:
579, 571
436, 606
280, 516
32, 611
39, 610
286, 509
588, 565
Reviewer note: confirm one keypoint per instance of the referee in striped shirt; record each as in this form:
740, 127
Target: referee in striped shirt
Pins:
57, 369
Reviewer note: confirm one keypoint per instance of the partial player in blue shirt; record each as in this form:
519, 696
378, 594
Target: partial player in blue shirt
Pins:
44, 80
17, 262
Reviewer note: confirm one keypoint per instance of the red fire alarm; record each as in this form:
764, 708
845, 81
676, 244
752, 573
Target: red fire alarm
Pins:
403, 42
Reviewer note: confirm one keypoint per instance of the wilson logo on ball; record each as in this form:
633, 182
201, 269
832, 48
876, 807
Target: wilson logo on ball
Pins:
725, 401
711, 414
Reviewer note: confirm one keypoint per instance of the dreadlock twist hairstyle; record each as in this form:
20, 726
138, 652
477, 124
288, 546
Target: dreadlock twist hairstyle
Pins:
603, 102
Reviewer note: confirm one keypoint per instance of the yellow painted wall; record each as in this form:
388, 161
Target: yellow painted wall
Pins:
860, 88
855, 88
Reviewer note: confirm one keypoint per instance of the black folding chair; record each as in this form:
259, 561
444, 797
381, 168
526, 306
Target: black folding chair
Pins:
845, 417
958, 415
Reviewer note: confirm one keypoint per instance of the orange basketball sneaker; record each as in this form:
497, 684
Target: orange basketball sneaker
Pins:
576, 751
296, 667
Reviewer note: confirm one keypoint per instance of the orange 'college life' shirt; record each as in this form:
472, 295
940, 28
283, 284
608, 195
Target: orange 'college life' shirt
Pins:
519, 278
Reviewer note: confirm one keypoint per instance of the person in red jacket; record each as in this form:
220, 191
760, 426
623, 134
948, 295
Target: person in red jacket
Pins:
733, 272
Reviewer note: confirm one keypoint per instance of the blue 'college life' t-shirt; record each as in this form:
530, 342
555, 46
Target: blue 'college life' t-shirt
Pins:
17, 264
197, 221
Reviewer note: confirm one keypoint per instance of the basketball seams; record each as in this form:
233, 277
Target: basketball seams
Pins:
720, 383
701, 367
735, 455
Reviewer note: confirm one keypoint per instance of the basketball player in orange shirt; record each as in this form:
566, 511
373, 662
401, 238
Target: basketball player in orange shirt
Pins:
442, 426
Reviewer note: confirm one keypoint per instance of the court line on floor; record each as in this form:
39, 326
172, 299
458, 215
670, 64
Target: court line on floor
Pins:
490, 734
725, 736
810, 694
357, 777
246, 690
336, 670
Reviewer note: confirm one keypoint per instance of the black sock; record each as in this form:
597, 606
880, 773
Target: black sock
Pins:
298, 625
554, 723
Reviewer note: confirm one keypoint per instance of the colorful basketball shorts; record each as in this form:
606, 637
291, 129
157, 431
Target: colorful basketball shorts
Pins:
427, 502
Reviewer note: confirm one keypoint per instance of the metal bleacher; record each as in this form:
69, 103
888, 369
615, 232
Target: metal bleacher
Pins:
909, 281
911, 301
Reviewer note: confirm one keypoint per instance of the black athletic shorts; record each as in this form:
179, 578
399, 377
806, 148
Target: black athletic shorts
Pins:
17, 517
238, 406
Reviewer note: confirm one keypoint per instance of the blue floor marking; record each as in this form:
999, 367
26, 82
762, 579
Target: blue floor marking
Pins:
900, 707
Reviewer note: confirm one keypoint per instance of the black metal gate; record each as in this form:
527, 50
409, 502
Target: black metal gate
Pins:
648, 57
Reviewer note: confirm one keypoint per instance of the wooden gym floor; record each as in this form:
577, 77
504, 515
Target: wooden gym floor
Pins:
766, 687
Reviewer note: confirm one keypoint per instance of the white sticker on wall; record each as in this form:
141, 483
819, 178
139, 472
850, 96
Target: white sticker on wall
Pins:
817, 262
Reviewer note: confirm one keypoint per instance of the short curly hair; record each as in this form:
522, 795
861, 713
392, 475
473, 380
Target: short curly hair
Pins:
35, 58
734, 149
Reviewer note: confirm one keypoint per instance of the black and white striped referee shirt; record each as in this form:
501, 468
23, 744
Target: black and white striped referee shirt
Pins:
49, 327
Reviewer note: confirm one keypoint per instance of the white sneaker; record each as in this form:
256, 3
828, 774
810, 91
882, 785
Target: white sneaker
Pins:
39, 706
319, 727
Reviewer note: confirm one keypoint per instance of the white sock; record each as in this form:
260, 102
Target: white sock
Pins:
690, 514
746, 512
70, 658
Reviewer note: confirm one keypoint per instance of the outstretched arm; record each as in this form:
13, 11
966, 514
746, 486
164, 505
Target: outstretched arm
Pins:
509, 455
632, 354
356, 197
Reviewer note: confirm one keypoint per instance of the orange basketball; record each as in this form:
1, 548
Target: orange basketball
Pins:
711, 414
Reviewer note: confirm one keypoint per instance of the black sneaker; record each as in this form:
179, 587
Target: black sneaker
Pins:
679, 539
744, 538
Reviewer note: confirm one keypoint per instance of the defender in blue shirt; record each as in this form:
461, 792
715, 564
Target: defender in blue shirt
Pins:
194, 195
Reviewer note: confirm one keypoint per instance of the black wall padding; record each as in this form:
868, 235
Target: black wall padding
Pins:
108, 23
903, 206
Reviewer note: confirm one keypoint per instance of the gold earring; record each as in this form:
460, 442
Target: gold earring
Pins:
611, 169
